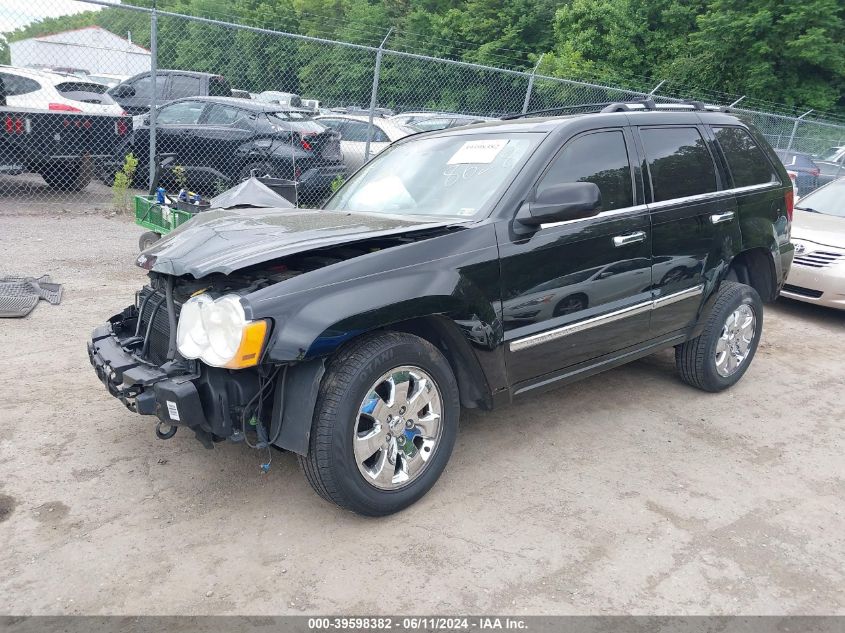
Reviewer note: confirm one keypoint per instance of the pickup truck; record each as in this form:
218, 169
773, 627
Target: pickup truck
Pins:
63, 147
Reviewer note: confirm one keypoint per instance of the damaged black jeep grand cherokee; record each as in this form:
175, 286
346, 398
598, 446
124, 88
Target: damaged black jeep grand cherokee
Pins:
459, 268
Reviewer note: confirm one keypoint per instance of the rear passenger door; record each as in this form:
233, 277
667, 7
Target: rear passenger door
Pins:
218, 142
695, 228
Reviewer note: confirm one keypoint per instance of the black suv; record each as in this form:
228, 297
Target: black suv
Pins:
222, 140
460, 268
135, 94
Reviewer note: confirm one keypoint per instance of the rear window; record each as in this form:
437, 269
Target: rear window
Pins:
81, 86
297, 121
15, 85
679, 162
748, 164
219, 87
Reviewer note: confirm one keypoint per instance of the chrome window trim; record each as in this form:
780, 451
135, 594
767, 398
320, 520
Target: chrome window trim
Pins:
670, 203
552, 335
604, 214
702, 197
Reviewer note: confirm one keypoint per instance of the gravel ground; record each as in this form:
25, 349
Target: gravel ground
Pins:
626, 493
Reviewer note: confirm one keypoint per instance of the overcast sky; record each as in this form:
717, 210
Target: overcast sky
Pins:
15, 13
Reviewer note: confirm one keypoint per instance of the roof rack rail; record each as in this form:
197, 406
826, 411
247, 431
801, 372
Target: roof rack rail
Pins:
520, 115
637, 105
649, 104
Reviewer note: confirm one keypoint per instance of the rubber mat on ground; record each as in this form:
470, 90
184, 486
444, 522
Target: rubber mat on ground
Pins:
17, 299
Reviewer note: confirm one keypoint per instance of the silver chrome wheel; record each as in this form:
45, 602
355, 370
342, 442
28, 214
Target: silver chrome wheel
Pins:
398, 427
735, 342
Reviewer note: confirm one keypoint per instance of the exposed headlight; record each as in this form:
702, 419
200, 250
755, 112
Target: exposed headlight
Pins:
217, 332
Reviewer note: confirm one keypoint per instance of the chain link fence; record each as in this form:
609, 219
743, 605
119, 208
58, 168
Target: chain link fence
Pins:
86, 109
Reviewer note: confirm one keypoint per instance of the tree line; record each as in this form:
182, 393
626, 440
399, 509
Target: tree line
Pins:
784, 52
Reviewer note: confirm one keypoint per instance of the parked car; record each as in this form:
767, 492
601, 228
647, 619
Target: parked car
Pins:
221, 140
288, 99
818, 233
803, 165
831, 165
353, 335
241, 94
443, 122
353, 135
135, 95
44, 90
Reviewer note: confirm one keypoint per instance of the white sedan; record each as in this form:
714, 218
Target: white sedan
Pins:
818, 234
44, 90
353, 135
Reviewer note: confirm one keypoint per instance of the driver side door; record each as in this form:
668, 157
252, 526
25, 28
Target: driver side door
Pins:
575, 291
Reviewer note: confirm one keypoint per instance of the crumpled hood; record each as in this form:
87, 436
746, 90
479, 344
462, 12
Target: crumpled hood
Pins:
825, 230
225, 240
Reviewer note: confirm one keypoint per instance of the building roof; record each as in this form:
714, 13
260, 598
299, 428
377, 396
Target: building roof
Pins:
66, 37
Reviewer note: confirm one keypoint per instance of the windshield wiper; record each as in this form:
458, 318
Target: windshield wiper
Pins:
808, 209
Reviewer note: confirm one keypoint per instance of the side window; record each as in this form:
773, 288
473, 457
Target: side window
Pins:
748, 164
184, 86
334, 124
16, 85
600, 158
354, 131
679, 162
184, 112
223, 115
144, 87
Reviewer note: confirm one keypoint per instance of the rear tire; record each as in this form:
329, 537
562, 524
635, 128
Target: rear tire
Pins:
67, 176
720, 356
408, 441
148, 239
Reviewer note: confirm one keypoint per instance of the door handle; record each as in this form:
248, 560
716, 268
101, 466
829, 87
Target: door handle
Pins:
718, 218
631, 238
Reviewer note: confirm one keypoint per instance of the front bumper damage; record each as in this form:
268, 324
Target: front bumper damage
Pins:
167, 392
179, 393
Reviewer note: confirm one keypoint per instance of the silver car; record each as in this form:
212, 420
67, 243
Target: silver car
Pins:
818, 233
353, 135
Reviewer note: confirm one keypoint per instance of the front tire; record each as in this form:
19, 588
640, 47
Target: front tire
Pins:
384, 426
721, 355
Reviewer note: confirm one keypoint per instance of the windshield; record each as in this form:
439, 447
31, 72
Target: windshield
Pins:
828, 200
443, 176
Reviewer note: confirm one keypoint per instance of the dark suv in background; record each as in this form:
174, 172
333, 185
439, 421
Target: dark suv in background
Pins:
135, 94
354, 334
222, 140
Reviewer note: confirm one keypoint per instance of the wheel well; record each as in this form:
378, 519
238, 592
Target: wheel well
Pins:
755, 268
445, 336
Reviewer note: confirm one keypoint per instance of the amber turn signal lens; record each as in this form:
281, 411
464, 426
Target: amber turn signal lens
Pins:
252, 344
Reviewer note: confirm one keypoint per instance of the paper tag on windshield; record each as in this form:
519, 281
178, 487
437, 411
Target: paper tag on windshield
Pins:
478, 152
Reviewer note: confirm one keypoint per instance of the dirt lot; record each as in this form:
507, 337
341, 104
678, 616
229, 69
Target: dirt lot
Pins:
626, 493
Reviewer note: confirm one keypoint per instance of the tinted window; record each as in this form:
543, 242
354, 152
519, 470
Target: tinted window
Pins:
16, 85
184, 86
185, 112
143, 87
601, 158
81, 86
679, 162
223, 115
747, 163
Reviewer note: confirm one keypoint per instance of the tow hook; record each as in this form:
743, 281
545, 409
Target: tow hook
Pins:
165, 435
